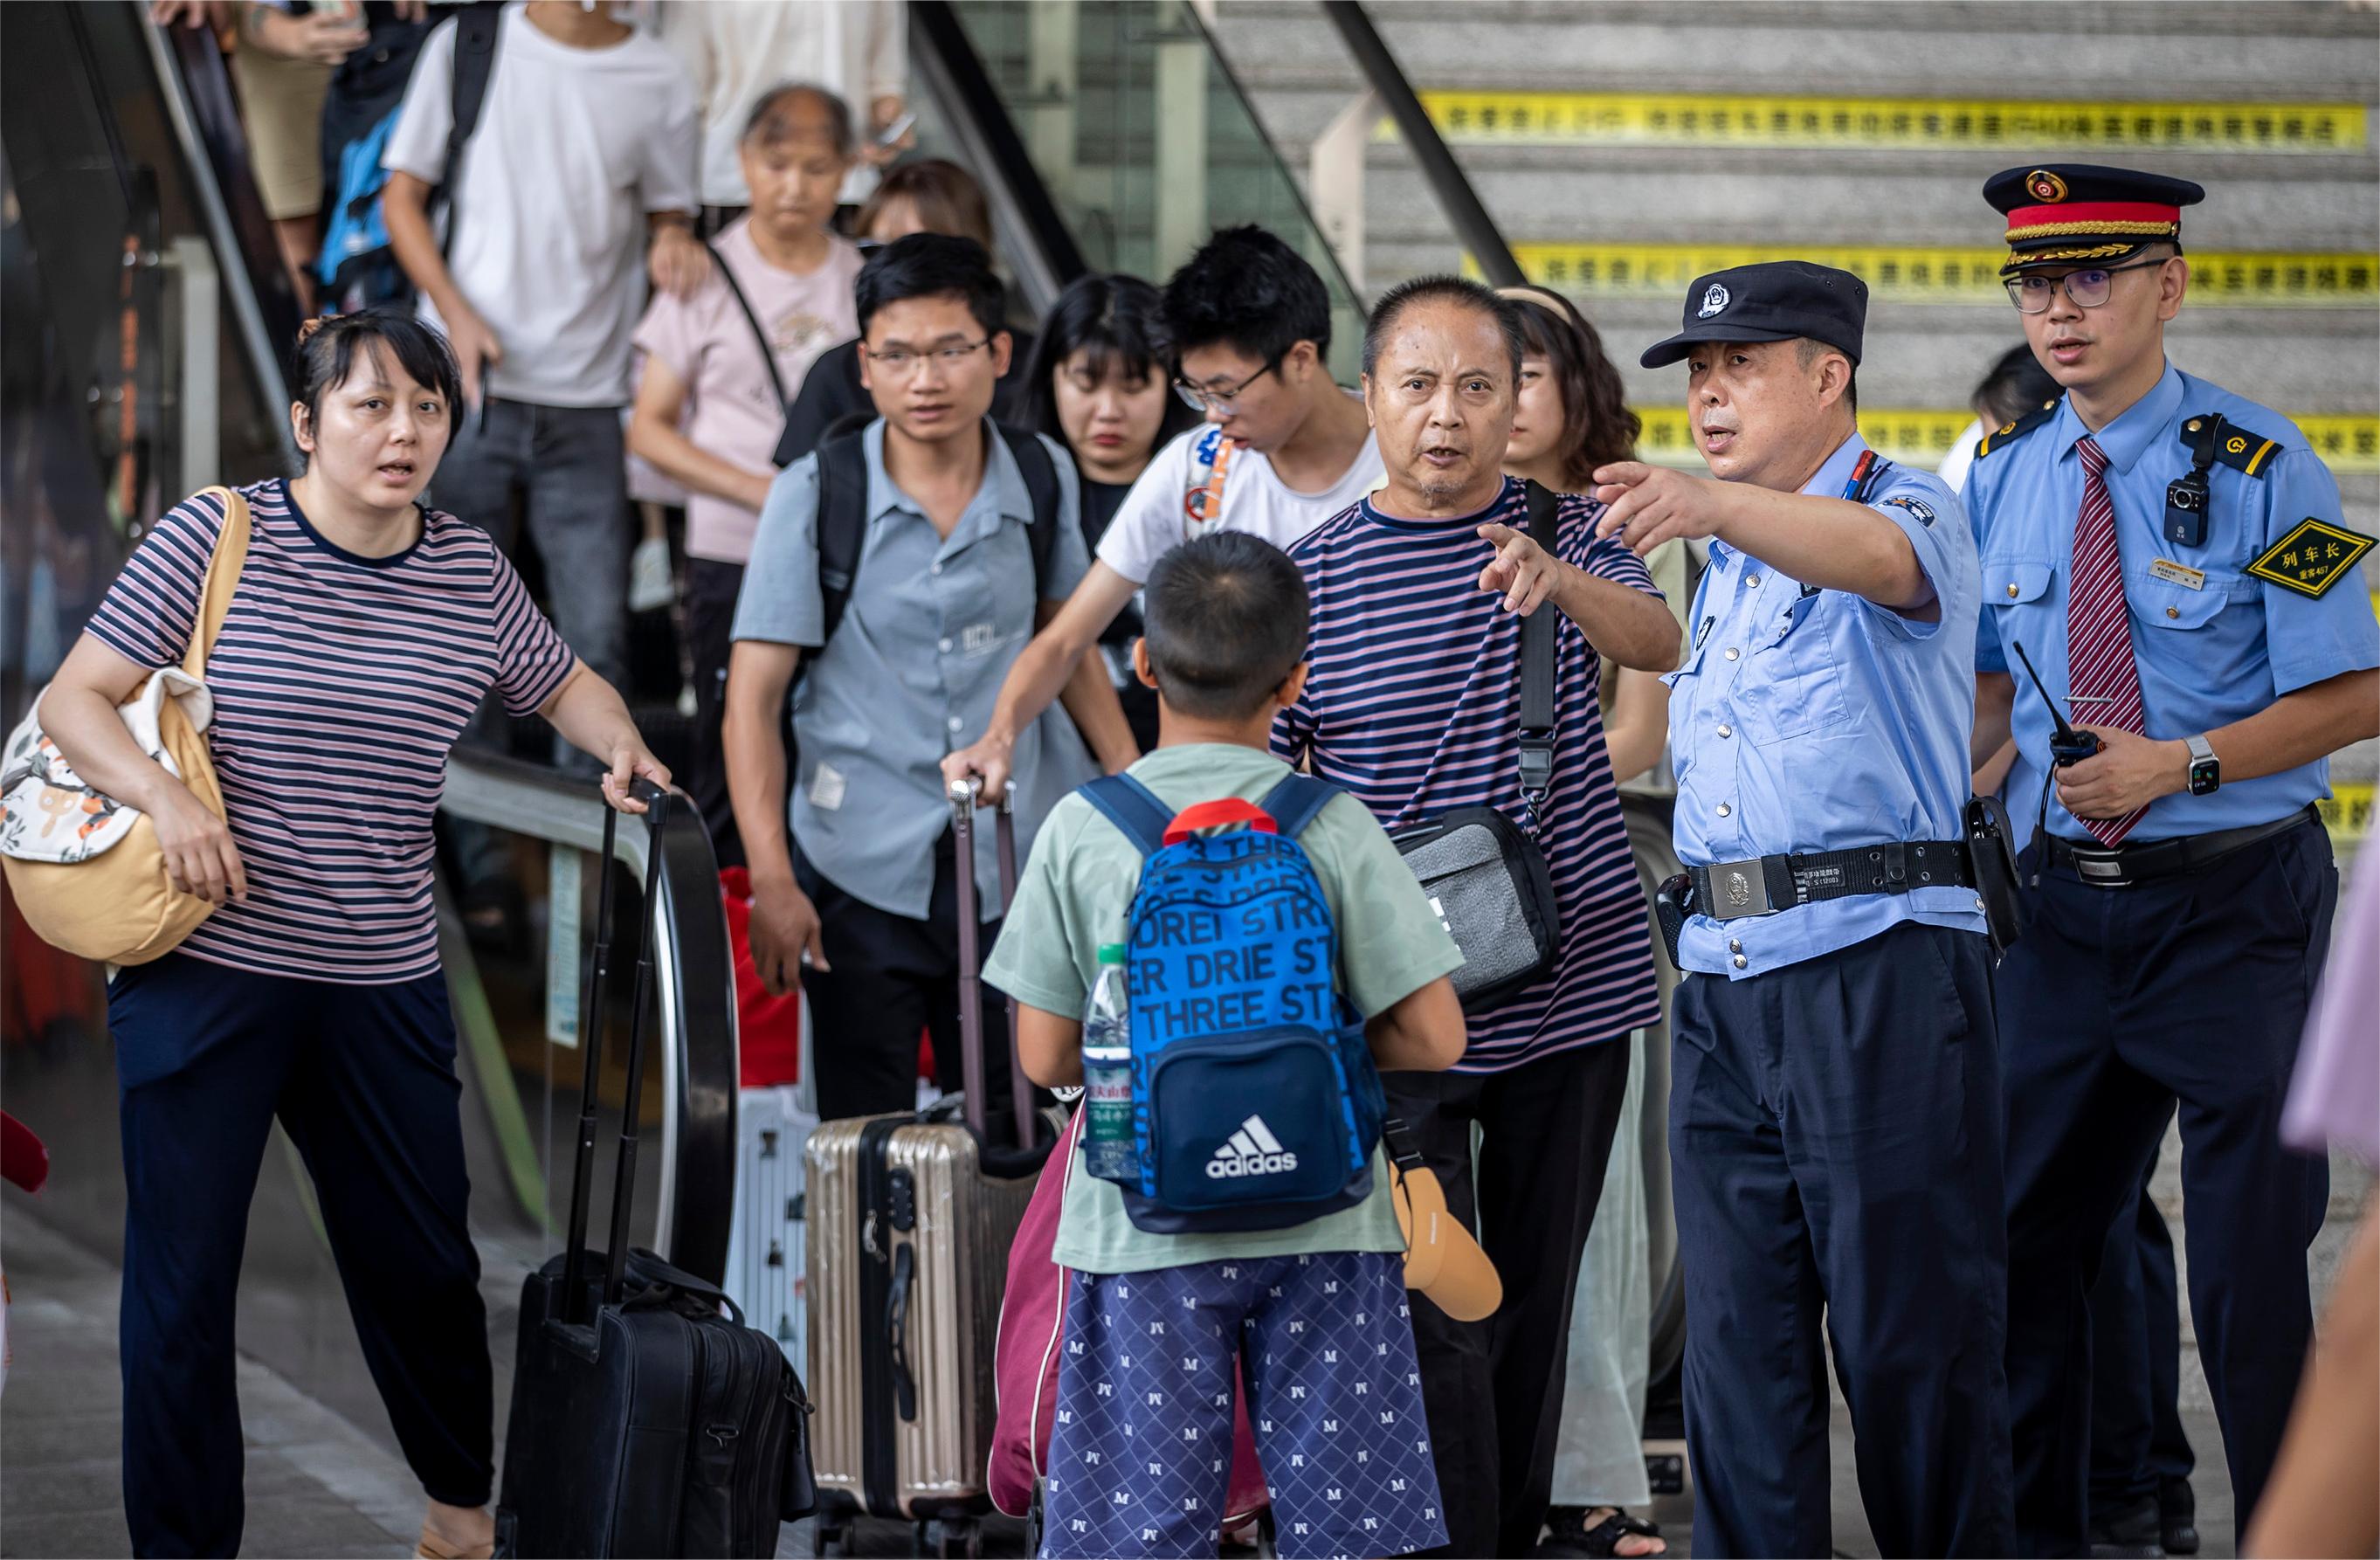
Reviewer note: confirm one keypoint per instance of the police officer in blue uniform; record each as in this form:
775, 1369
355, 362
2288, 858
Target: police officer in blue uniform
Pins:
1835, 1106
2174, 561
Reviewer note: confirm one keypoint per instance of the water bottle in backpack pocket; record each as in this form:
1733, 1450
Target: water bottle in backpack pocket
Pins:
1255, 1102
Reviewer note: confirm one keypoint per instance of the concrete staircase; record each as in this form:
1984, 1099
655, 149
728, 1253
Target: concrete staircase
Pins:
2304, 358
2301, 358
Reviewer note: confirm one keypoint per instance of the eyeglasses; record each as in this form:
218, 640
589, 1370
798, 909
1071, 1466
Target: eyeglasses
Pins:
1199, 398
900, 362
2087, 288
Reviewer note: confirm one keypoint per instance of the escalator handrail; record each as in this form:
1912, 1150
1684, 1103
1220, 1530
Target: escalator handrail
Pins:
1040, 250
1471, 223
693, 980
191, 78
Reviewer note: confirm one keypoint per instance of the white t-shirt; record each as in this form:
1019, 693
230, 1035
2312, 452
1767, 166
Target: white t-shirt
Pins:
574, 147
1156, 514
737, 50
1954, 466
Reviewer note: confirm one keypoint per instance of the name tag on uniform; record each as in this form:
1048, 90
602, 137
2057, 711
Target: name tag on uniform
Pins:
2177, 574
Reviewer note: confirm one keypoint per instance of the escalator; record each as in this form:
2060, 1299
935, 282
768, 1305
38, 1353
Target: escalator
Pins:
147, 313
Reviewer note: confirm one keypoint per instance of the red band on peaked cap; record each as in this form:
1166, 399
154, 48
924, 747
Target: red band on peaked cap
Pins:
2076, 216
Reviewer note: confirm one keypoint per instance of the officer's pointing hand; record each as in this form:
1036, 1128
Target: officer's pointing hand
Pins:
1646, 506
2128, 771
1521, 569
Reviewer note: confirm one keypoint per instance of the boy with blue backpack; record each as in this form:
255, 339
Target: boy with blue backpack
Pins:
1278, 954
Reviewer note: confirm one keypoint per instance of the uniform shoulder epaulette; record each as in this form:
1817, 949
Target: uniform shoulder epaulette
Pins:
2008, 431
2243, 449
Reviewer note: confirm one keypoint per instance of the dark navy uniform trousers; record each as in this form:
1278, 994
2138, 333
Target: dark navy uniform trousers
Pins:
1834, 1143
2137, 1440
362, 1078
2116, 1002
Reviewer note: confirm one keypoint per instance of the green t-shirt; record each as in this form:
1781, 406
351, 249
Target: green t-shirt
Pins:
1076, 892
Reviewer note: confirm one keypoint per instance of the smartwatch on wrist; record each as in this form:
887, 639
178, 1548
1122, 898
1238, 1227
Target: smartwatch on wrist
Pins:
2205, 769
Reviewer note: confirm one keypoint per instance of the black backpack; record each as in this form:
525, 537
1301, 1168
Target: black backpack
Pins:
842, 499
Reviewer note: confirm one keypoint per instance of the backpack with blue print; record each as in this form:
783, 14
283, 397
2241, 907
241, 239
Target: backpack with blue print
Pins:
1256, 1105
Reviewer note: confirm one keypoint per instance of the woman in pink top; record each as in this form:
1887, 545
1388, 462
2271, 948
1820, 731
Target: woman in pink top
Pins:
713, 399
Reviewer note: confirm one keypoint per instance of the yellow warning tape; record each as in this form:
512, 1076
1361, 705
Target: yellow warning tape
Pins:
1628, 118
1940, 275
2348, 810
2349, 443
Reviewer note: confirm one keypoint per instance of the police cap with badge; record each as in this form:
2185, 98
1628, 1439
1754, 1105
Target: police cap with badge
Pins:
2081, 217
1776, 300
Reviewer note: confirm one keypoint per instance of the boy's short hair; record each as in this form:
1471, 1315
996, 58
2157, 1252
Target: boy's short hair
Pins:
1225, 619
932, 265
1246, 288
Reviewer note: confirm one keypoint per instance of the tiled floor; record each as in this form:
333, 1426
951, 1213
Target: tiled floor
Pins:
319, 1485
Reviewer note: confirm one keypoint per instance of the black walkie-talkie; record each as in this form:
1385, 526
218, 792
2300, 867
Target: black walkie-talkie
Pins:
2066, 744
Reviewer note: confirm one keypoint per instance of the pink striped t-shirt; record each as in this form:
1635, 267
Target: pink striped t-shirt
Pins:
340, 683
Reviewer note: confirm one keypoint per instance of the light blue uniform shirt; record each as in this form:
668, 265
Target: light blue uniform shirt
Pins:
931, 629
2209, 654
1811, 722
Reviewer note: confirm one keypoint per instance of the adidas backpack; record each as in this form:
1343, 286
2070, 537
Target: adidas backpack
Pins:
1256, 1105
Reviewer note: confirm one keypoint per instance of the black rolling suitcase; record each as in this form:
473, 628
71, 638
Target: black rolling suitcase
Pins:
646, 1419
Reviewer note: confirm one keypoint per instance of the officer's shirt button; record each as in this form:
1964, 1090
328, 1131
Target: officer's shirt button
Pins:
1739, 961
1731, 652
1736, 945
2173, 612
1727, 731
944, 646
2012, 589
1752, 582
937, 568
956, 723
1725, 810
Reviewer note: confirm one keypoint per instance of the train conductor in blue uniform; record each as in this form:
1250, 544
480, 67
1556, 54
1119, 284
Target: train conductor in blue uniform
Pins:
1834, 1099
2174, 560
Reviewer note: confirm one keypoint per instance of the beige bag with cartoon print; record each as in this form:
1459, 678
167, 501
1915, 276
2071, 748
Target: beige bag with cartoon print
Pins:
86, 871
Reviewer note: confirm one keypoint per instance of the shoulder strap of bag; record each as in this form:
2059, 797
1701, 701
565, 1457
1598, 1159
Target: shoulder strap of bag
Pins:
1296, 801
1133, 809
476, 31
842, 517
767, 354
1537, 630
223, 565
1040, 475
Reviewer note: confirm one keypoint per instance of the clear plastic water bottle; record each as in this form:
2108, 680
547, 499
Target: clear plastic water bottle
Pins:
1109, 1150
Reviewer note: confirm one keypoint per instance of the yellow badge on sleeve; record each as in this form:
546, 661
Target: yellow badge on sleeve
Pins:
2312, 558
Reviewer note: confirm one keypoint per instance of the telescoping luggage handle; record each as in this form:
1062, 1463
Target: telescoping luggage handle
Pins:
965, 797
624, 1178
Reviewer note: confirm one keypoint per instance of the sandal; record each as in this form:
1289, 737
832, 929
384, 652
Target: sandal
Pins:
1568, 1534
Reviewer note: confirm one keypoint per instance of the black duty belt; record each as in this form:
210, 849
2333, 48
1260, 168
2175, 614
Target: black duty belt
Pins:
2120, 866
1726, 890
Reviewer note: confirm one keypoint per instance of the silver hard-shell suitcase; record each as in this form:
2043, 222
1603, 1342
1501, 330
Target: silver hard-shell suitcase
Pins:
910, 1222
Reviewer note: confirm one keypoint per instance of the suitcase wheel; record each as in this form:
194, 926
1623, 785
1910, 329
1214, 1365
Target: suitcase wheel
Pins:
951, 1538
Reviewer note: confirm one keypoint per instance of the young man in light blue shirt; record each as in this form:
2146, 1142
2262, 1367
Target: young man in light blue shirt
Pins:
2175, 561
950, 578
1834, 1102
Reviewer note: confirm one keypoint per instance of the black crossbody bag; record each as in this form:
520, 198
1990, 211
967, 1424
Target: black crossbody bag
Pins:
1484, 873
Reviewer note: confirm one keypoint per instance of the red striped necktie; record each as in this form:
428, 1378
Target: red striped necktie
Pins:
2102, 682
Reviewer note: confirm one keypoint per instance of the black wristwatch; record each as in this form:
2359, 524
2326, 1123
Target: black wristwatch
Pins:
2205, 769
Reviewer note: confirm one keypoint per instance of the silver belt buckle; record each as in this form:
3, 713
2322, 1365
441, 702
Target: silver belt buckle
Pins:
1737, 888
2099, 866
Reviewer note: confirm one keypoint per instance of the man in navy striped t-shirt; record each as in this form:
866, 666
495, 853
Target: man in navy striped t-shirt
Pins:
1412, 705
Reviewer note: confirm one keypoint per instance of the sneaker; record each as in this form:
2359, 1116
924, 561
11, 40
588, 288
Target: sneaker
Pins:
651, 587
